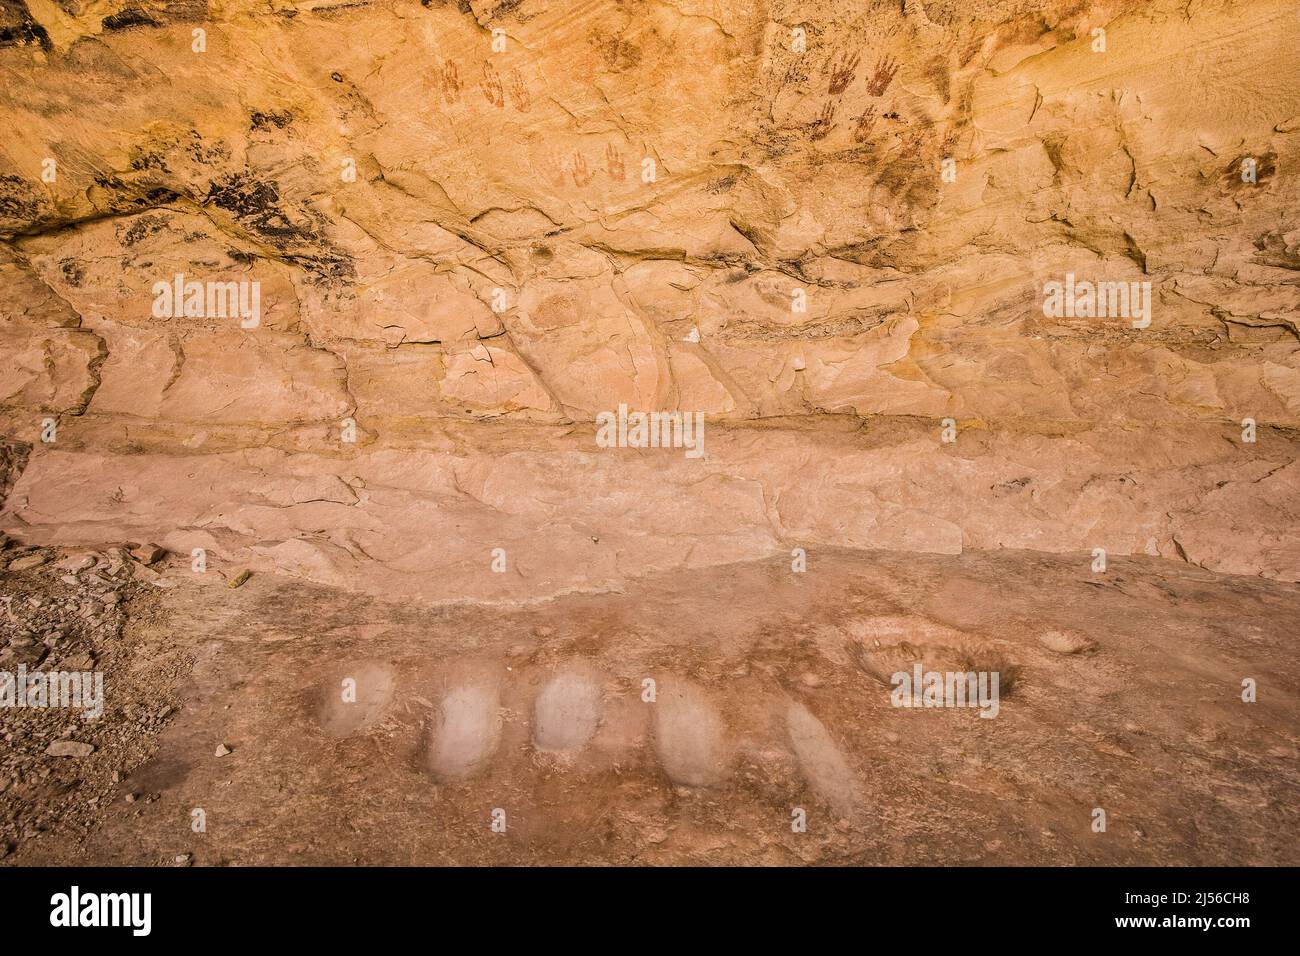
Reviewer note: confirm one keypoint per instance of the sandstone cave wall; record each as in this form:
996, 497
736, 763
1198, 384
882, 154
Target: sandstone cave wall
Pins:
516, 177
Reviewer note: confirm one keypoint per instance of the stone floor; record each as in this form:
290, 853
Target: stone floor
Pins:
697, 717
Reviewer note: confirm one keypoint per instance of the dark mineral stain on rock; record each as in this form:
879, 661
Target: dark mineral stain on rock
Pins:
142, 228
1265, 168
258, 207
129, 18
19, 199
277, 119
72, 272
17, 28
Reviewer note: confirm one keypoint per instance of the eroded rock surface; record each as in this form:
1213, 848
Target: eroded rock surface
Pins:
526, 735
464, 255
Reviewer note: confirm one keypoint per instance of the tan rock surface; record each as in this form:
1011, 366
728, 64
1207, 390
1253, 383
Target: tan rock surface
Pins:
339, 313
502, 268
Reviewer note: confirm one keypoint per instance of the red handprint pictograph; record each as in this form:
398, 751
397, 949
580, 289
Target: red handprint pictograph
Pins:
884, 75
862, 130
821, 127
579, 170
842, 73
449, 82
519, 92
614, 163
553, 170
491, 86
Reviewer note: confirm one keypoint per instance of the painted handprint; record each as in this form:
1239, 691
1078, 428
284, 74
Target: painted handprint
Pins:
491, 86
581, 174
449, 82
614, 163
862, 130
884, 75
553, 170
822, 126
842, 73
519, 92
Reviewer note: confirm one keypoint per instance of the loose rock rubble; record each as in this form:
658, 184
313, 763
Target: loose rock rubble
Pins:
66, 611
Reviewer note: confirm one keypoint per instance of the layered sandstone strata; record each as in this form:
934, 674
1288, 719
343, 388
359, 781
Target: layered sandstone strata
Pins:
474, 227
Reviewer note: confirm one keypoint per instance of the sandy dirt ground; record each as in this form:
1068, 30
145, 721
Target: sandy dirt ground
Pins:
694, 719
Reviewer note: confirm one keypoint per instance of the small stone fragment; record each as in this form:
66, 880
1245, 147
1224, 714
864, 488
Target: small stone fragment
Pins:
69, 748
147, 553
78, 562
27, 562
